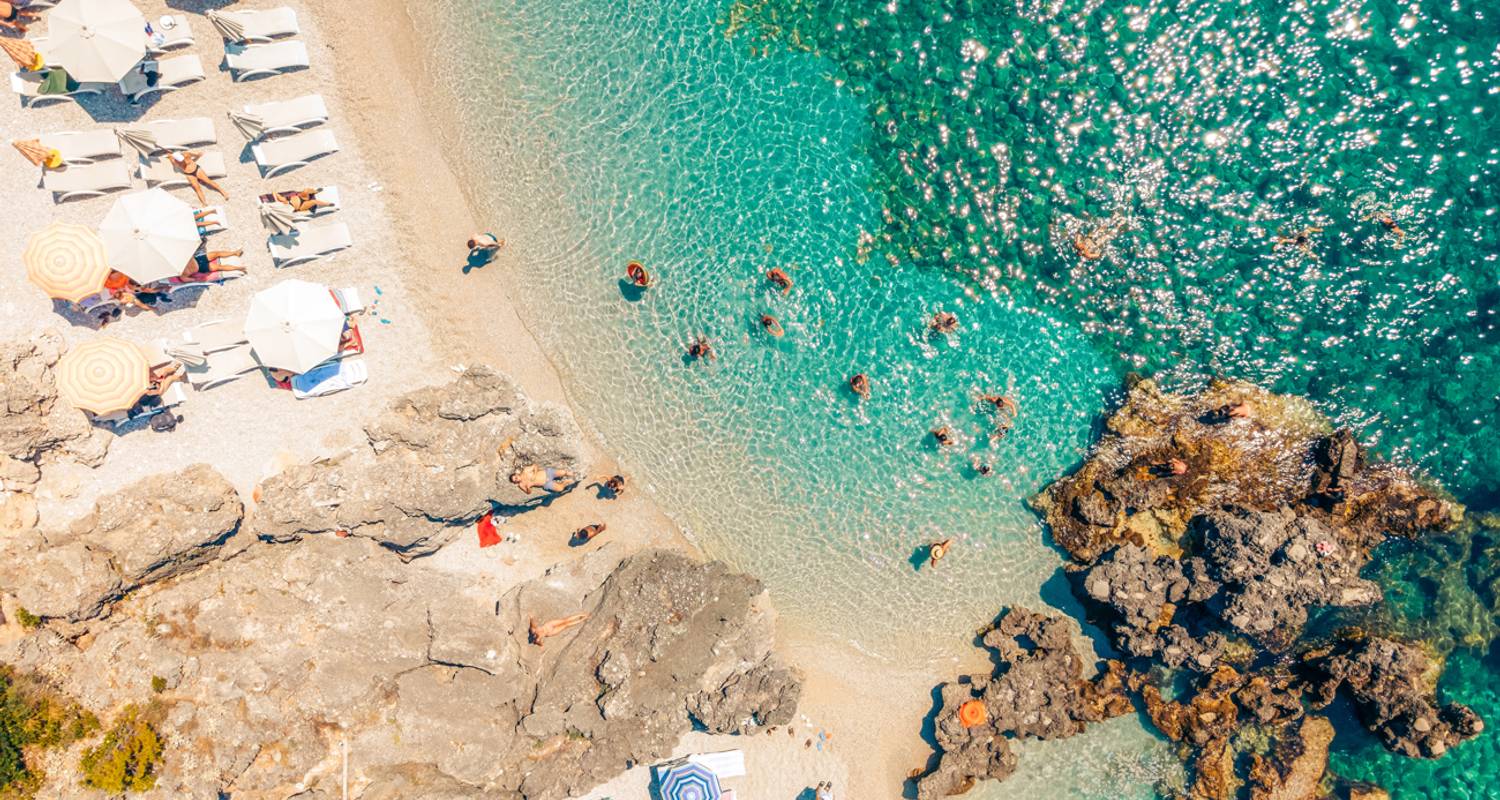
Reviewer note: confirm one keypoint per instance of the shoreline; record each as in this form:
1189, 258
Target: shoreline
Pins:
886, 699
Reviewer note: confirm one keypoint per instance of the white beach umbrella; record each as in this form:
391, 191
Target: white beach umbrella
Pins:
150, 235
294, 325
96, 40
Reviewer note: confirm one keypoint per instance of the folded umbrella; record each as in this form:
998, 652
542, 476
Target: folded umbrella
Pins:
67, 261
142, 140
294, 325
251, 125
228, 27
33, 150
103, 375
278, 218
150, 235
21, 51
96, 40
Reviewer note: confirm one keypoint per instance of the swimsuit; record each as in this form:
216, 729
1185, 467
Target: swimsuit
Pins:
551, 484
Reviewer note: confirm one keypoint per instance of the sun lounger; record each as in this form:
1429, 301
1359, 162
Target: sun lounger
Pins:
310, 243
40, 5
222, 367
174, 38
178, 134
172, 73
726, 764
289, 116
87, 180
263, 26
262, 60
232, 269
83, 147
221, 334
217, 220
158, 171
328, 194
279, 155
328, 378
26, 85
349, 300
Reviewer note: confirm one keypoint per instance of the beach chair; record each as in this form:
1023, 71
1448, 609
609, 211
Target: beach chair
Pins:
725, 764
280, 155
27, 84
263, 26
264, 60
233, 269
221, 367
309, 243
221, 334
178, 36
172, 74
325, 379
83, 147
158, 171
328, 194
180, 134
348, 299
87, 180
289, 116
217, 221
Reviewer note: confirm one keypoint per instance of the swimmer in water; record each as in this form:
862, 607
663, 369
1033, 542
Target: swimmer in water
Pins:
1087, 248
944, 436
1390, 224
860, 385
771, 325
943, 322
937, 551
779, 277
1302, 240
702, 350
637, 274
981, 468
1001, 403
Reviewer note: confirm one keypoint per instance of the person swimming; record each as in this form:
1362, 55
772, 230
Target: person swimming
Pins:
779, 277
1390, 224
701, 349
943, 322
937, 551
637, 274
1302, 240
1087, 247
944, 436
860, 385
771, 325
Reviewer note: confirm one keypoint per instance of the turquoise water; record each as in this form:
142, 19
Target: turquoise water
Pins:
901, 159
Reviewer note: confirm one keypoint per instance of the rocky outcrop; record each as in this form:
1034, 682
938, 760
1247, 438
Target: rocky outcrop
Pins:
1295, 767
1393, 686
151, 530
1037, 691
36, 426
434, 462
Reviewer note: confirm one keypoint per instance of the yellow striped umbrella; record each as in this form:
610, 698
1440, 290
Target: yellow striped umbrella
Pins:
67, 261
103, 375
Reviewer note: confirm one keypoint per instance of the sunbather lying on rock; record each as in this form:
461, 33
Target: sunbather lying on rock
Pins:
549, 479
536, 633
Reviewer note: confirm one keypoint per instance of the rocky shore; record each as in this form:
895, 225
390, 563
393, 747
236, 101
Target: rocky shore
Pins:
1205, 532
262, 641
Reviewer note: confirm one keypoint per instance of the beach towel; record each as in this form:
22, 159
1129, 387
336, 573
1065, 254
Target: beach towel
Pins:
329, 378
487, 533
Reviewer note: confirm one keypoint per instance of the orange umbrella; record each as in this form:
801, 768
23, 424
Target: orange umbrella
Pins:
22, 52
38, 153
66, 261
973, 713
103, 375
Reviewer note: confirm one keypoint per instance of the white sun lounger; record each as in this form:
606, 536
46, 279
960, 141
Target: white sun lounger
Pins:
158, 170
222, 367
726, 764
221, 334
279, 155
87, 180
178, 134
82, 147
328, 378
219, 217
349, 300
175, 395
174, 38
26, 85
261, 60
172, 74
328, 194
263, 26
290, 116
310, 243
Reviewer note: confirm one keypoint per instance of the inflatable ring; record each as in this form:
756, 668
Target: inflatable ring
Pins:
973, 713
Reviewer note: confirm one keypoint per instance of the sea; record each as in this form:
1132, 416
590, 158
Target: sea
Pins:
1300, 193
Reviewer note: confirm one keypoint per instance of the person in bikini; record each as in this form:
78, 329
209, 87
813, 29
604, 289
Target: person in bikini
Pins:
536, 633
778, 276
587, 533
771, 325
200, 268
532, 477
15, 17
302, 200
186, 162
161, 379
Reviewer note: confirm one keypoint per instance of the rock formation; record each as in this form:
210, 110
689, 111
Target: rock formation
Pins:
1037, 691
436, 460
36, 427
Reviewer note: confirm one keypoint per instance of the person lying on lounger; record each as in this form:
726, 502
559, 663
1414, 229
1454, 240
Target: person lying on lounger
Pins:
186, 162
127, 292
302, 200
536, 633
162, 378
202, 266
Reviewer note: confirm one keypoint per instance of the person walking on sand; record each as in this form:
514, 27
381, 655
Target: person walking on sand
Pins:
536, 633
860, 385
937, 551
772, 326
186, 162
778, 276
637, 274
825, 790
587, 533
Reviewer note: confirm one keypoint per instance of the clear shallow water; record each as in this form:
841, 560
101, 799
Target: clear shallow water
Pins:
942, 156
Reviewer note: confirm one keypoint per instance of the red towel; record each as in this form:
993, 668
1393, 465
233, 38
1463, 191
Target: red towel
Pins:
487, 533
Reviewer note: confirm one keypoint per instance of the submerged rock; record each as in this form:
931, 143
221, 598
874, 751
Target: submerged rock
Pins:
434, 462
1037, 691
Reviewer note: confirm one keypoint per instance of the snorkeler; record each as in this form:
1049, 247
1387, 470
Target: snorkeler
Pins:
637, 274
701, 349
943, 322
779, 277
860, 385
771, 325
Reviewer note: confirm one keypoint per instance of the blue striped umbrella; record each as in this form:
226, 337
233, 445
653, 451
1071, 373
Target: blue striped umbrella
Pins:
690, 782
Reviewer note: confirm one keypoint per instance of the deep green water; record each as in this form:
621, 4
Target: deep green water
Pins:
905, 158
